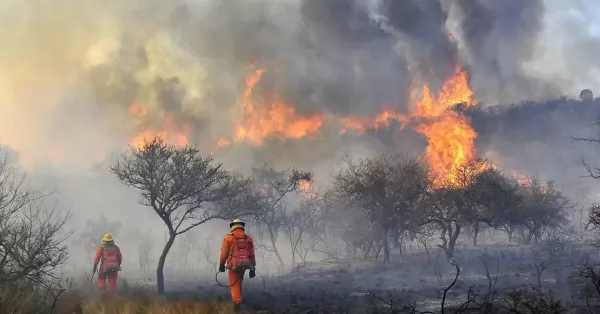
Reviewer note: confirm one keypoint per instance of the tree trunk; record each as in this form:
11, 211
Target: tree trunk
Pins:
293, 257
528, 238
427, 251
272, 238
453, 236
401, 247
475, 233
160, 277
386, 246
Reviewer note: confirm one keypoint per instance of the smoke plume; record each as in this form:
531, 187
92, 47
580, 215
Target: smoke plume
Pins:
78, 79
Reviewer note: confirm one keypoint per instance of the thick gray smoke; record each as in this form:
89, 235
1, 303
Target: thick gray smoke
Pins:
499, 38
71, 72
79, 64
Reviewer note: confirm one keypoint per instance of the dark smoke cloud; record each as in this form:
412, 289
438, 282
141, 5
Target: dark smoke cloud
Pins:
422, 27
499, 38
189, 58
343, 57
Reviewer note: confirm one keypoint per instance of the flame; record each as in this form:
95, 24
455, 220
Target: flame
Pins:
134, 109
170, 133
449, 134
307, 190
277, 119
222, 143
383, 119
528, 181
450, 137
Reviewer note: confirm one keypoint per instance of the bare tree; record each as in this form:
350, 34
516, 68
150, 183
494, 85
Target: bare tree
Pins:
389, 189
493, 195
183, 188
300, 221
207, 254
275, 186
468, 200
424, 235
543, 207
582, 206
332, 238
31, 234
145, 244
185, 246
95, 230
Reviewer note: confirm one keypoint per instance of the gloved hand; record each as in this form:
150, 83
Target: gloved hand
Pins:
95, 268
222, 268
252, 273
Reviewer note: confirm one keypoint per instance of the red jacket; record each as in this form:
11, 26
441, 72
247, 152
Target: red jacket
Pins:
229, 247
110, 256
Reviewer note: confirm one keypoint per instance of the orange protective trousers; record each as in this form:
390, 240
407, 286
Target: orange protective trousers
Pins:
236, 277
110, 277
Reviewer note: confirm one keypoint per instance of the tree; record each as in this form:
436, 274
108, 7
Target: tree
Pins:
474, 194
509, 218
593, 223
495, 197
275, 187
388, 189
95, 230
543, 208
183, 188
186, 244
32, 235
302, 220
145, 244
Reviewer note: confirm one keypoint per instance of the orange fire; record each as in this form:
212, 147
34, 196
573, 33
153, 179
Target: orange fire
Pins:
306, 189
450, 137
276, 119
530, 182
383, 119
221, 143
134, 109
169, 133
449, 134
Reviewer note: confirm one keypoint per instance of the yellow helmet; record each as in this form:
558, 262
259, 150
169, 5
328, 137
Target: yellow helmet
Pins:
107, 237
237, 222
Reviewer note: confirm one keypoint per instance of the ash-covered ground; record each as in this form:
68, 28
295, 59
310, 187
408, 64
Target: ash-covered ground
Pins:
489, 272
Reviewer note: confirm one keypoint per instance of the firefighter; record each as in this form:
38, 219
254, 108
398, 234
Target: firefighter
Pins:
110, 258
238, 252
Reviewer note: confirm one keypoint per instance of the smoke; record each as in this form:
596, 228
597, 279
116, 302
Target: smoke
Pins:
77, 65
499, 38
71, 71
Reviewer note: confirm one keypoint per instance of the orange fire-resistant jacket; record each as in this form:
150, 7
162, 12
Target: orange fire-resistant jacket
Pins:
110, 255
238, 249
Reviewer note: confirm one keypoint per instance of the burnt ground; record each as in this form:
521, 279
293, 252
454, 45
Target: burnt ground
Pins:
361, 286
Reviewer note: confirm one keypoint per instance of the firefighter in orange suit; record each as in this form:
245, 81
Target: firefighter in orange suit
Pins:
238, 252
110, 258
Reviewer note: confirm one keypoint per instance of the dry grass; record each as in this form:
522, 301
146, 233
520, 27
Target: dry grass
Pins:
152, 304
30, 302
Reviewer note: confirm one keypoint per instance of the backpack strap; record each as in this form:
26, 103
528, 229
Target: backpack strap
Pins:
236, 238
245, 236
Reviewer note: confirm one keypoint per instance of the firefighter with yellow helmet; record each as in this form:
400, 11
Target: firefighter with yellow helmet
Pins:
237, 251
109, 256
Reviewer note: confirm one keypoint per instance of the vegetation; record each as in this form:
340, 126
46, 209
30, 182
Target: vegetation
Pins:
372, 208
